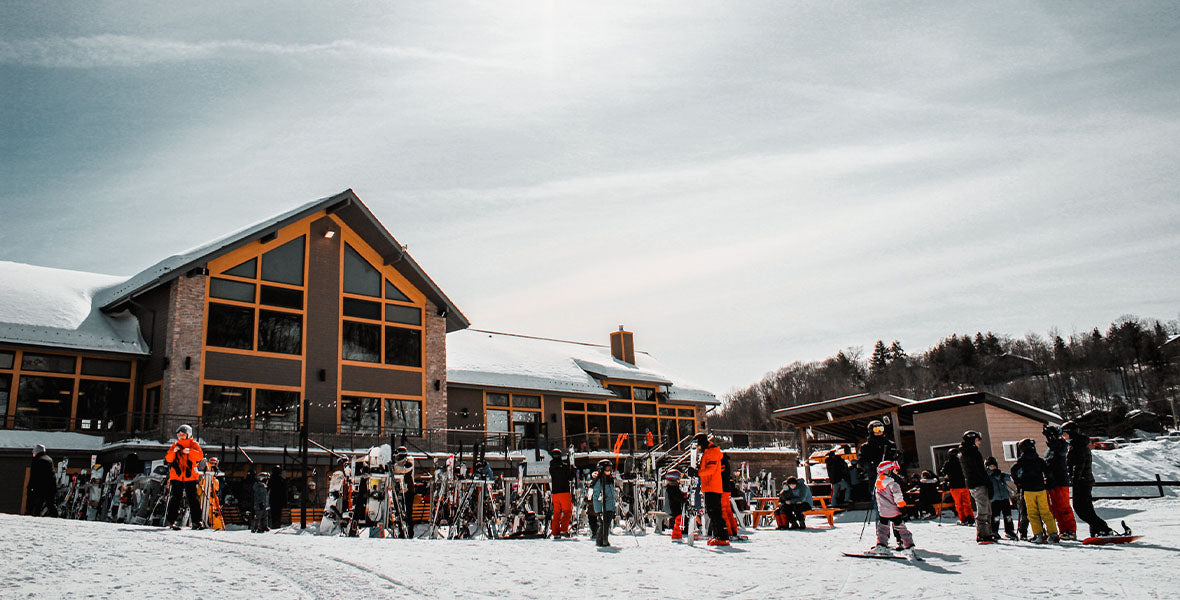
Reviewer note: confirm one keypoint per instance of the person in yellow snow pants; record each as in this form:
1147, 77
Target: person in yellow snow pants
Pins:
1038, 512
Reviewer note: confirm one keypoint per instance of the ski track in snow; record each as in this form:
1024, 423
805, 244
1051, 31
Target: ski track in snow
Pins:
56, 558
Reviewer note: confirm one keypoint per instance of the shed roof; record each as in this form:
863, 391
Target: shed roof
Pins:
968, 398
843, 418
504, 360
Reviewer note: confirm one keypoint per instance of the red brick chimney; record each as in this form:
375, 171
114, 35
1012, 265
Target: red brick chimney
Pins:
622, 345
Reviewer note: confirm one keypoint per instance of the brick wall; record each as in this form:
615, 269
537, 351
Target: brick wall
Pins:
186, 314
436, 369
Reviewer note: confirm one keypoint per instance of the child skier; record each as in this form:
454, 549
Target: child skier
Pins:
675, 498
890, 502
1031, 472
261, 504
1001, 498
603, 490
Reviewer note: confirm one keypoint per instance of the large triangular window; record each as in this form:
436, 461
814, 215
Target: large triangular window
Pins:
360, 277
285, 263
392, 293
248, 269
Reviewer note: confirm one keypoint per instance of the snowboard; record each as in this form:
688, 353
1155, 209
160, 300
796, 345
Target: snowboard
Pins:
1117, 539
893, 556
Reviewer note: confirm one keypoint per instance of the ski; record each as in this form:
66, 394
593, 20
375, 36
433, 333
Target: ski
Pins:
1108, 540
893, 556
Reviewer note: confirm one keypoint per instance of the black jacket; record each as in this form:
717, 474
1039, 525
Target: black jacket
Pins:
974, 471
1081, 470
953, 471
837, 468
676, 498
42, 481
277, 492
560, 474
1030, 472
727, 484
872, 452
1058, 458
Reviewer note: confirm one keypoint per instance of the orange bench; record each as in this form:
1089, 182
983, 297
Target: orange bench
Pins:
765, 508
824, 510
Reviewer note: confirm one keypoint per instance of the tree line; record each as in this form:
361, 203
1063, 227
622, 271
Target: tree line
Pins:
1128, 367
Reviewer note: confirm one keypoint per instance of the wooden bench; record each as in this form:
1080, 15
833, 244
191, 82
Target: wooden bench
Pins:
946, 503
824, 510
764, 509
420, 512
314, 515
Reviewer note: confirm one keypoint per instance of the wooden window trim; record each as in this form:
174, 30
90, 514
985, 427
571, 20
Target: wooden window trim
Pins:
381, 414
254, 387
17, 371
510, 409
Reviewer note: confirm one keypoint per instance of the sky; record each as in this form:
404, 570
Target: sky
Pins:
743, 185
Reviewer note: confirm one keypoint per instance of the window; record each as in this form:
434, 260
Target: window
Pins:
147, 408
106, 368
360, 415
637, 411
519, 414
49, 363
276, 410
403, 416
227, 407
374, 329
102, 405
5, 387
259, 309
6, 360
1010, 453
43, 402
939, 455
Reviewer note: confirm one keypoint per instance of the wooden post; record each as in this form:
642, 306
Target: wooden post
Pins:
897, 437
803, 455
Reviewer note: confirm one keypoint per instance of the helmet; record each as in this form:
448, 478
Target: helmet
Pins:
887, 466
1051, 431
702, 440
876, 427
263, 476
1027, 445
555, 452
991, 462
971, 435
604, 463
185, 429
672, 475
953, 452
1070, 428
401, 451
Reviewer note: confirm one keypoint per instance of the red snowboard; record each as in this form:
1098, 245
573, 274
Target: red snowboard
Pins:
1118, 539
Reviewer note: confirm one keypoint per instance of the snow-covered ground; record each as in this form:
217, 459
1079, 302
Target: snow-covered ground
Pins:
54, 558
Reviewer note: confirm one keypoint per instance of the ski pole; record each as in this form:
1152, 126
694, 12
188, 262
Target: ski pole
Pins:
873, 510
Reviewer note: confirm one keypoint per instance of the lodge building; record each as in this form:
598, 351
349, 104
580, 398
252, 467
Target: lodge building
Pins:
317, 318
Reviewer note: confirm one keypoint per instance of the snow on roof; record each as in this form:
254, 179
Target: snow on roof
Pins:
42, 306
488, 358
162, 270
52, 440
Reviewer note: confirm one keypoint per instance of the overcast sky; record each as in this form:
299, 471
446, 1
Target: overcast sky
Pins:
742, 185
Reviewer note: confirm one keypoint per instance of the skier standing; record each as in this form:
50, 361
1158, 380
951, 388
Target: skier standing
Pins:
183, 457
277, 495
1057, 455
403, 470
261, 504
604, 499
876, 450
1031, 472
728, 489
675, 498
1001, 498
712, 488
42, 488
980, 485
928, 494
952, 473
1081, 475
560, 474
890, 502
838, 476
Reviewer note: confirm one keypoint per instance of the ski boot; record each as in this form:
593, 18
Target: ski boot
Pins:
880, 550
718, 542
1054, 538
909, 552
1069, 536
1126, 530
1038, 539
677, 532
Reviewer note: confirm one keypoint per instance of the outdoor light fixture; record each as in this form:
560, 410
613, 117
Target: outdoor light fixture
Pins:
437, 385
464, 413
330, 233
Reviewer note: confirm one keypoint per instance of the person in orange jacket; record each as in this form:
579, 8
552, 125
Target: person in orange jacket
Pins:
712, 487
182, 459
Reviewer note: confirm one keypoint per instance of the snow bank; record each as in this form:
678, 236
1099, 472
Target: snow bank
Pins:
1138, 462
52, 440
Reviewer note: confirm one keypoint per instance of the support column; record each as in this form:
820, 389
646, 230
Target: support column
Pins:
804, 454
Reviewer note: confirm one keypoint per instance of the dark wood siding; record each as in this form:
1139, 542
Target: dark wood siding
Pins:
380, 381
323, 327
262, 370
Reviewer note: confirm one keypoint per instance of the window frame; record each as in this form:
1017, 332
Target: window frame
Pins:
635, 438
254, 387
512, 409
388, 275
17, 370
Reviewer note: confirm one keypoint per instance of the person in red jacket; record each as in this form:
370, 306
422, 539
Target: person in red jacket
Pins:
712, 488
182, 459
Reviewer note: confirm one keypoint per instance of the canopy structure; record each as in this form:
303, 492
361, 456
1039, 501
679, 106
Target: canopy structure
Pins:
845, 420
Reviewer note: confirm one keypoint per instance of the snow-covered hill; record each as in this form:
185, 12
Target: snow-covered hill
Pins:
52, 558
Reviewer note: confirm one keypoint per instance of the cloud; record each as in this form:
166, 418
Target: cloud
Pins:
130, 51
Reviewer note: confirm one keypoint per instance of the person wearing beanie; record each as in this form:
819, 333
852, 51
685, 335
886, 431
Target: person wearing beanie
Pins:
979, 485
1001, 498
182, 458
712, 487
1081, 476
675, 498
604, 500
261, 504
1031, 473
952, 473
42, 488
560, 474
1057, 455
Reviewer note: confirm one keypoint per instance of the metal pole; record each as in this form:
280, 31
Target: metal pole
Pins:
303, 459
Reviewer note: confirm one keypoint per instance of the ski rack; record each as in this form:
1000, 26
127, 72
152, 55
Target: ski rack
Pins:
475, 507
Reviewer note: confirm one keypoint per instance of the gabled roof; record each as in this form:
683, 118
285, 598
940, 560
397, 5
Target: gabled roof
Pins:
965, 399
504, 360
345, 205
41, 306
841, 418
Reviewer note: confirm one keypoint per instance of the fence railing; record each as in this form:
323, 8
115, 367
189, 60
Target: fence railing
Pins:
1159, 484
